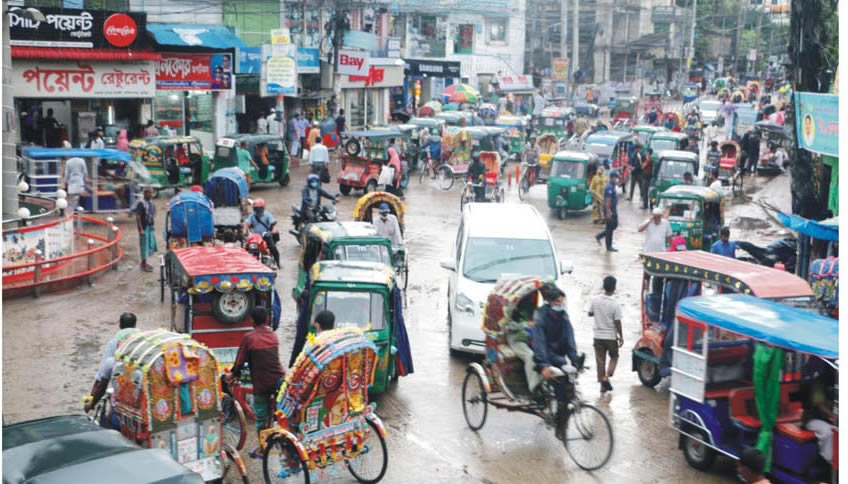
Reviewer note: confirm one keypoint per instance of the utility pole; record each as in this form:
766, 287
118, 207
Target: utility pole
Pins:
740, 26
10, 133
691, 54
563, 40
759, 33
575, 34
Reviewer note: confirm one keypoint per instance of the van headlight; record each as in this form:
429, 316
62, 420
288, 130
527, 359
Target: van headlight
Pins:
464, 303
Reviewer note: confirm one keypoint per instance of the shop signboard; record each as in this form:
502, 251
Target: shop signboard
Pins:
353, 62
516, 83
281, 36
76, 28
249, 60
194, 72
559, 71
281, 75
431, 68
817, 122
47, 79
308, 61
377, 76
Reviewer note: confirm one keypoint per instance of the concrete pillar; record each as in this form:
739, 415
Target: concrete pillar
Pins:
10, 131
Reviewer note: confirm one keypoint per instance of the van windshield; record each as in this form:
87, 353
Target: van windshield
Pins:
488, 258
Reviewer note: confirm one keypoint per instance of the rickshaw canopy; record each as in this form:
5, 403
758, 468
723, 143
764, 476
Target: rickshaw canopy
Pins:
822, 230
767, 321
204, 269
226, 186
190, 216
502, 301
369, 201
511, 121
743, 277
52, 153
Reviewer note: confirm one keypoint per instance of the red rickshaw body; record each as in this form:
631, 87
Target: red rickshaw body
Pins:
357, 171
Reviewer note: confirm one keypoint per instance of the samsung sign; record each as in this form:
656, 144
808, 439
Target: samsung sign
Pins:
420, 68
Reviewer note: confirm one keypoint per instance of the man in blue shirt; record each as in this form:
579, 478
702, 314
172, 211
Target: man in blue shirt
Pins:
610, 212
724, 246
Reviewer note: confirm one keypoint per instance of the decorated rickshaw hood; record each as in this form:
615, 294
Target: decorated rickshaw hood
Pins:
203, 269
369, 201
767, 321
144, 347
503, 299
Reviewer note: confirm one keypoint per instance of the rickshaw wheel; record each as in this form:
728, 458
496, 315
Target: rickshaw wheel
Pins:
585, 428
354, 465
501, 195
737, 185
445, 177
277, 453
473, 396
648, 371
523, 186
161, 283
344, 189
371, 186
696, 453
284, 181
234, 422
232, 459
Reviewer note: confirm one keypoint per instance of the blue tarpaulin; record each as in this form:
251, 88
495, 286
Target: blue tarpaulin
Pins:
824, 230
226, 187
52, 153
190, 216
192, 35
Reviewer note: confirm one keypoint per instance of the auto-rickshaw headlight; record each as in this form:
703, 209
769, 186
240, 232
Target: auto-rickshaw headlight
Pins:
225, 286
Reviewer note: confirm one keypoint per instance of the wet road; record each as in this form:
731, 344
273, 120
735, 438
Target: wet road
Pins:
52, 347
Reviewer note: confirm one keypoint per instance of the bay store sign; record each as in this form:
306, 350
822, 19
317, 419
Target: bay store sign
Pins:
74, 28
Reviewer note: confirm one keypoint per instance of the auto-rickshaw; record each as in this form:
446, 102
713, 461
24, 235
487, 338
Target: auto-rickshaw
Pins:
323, 416
516, 133
668, 140
567, 186
626, 109
365, 153
213, 290
653, 99
743, 372
695, 212
668, 169
364, 212
669, 277
227, 188
167, 396
172, 161
226, 156
643, 133
362, 295
553, 121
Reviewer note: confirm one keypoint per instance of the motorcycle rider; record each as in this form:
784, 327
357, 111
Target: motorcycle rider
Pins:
310, 197
263, 222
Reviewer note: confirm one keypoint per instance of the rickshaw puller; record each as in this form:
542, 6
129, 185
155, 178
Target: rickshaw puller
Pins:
477, 174
310, 197
126, 327
387, 226
264, 223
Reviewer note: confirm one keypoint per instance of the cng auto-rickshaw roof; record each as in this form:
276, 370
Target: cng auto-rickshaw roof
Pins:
327, 231
691, 191
744, 277
352, 271
607, 137
53, 153
429, 122
170, 140
646, 128
666, 134
567, 155
767, 321
677, 155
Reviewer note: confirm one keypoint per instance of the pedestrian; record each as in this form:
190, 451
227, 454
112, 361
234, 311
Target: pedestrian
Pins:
636, 172
123, 142
273, 124
319, 159
260, 349
724, 246
261, 124
313, 136
647, 174
751, 465
596, 187
145, 216
302, 126
607, 332
657, 232
151, 129
245, 161
49, 128
340, 123
394, 162
76, 180
610, 212
294, 143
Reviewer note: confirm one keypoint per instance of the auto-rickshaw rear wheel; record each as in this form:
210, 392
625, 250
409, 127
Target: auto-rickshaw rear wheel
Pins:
279, 453
344, 189
697, 454
371, 186
648, 371
285, 179
232, 307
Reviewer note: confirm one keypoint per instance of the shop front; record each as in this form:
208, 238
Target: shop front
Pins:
426, 79
78, 70
367, 99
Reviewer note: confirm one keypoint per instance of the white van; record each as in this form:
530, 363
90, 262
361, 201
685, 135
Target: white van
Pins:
494, 240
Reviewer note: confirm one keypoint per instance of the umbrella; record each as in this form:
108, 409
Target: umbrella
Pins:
426, 111
401, 115
462, 93
450, 107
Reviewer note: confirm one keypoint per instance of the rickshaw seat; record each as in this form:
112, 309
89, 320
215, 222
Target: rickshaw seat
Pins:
492, 178
727, 163
652, 305
795, 432
506, 352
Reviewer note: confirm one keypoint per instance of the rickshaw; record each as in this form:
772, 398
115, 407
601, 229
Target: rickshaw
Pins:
227, 189
723, 94
689, 92
364, 212
567, 186
323, 416
669, 277
695, 212
362, 295
365, 153
213, 290
729, 171
668, 169
167, 396
754, 90
43, 169
614, 146
668, 140
626, 109
672, 121
740, 95
456, 158
408, 143
172, 161
653, 100
189, 221
493, 181
500, 380
516, 134
743, 370
226, 156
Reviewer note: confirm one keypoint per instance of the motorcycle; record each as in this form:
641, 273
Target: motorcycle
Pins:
258, 248
327, 213
784, 251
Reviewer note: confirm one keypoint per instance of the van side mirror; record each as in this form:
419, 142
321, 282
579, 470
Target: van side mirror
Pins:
565, 267
448, 264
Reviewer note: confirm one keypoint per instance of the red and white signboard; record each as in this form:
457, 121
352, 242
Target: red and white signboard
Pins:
376, 76
83, 79
353, 62
120, 30
195, 72
516, 83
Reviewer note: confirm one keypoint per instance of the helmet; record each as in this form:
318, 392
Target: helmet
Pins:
613, 173
312, 178
196, 188
384, 207
259, 203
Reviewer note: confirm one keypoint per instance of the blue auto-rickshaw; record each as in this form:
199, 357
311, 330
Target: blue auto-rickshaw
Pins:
188, 222
227, 189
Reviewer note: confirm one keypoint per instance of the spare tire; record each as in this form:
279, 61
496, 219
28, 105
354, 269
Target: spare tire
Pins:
353, 147
233, 307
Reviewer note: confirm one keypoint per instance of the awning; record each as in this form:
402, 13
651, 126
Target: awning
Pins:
193, 35
650, 41
20, 52
822, 230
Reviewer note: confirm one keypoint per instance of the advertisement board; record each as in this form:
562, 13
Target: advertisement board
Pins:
195, 72
817, 122
559, 69
308, 60
281, 75
45, 79
69, 27
353, 62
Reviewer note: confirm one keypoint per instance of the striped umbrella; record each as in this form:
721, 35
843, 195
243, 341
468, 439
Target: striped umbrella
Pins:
461, 93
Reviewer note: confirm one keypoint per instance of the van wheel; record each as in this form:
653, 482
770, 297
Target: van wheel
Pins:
371, 186
649, 372
697, 454
284, 181
344, 189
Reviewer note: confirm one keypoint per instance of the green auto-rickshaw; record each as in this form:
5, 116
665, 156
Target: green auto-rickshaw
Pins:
668, 169
553, 121
568, 188
668, 140
171, 161
516, 132
354, 241
643, 133
694, 212
278, 159
362, 295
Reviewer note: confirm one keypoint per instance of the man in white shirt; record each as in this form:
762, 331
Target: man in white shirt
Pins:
273, 124
387, 226
607, 332
319, 157
715, 183
657, 232
76, 178
261, 125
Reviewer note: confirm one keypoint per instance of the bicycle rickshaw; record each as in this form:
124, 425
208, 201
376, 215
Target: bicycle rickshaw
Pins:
365, 153
456, 155
323, 415
743, 370
500, 381
364, 212
653, 100
669, 277
227, 189
363, 295
729, 171
695, 212
672, 121
166, 396
492, 181
516, 132
172, 161
567, 185
668, 170
226, 156
537, 173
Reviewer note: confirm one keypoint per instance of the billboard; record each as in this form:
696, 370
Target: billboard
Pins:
195, 72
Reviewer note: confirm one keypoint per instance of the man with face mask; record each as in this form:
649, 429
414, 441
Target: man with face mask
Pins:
310, 196
264, 223
387, 226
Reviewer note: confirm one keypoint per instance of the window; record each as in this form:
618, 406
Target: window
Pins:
687, 210
568, 169
427, 37
367, 253
496, 29
674, 169
463, 40
364, 310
